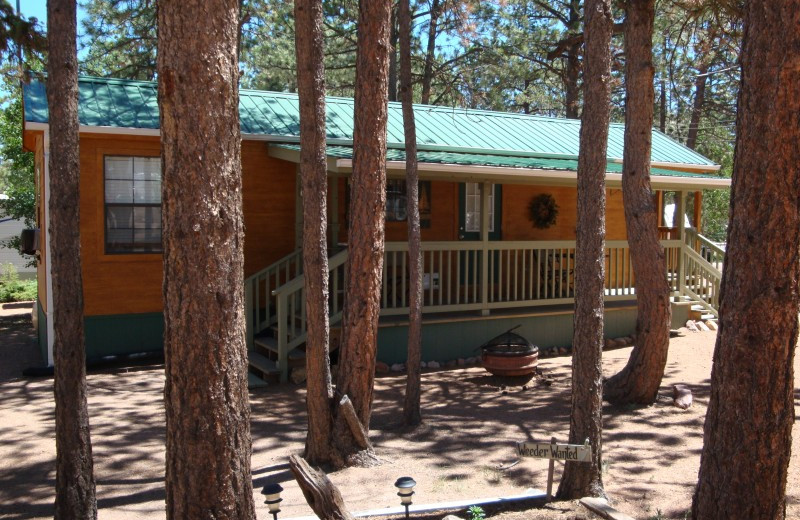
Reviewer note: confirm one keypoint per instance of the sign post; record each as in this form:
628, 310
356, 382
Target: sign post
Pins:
553, 452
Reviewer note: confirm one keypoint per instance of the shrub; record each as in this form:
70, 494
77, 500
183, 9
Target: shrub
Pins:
12, 289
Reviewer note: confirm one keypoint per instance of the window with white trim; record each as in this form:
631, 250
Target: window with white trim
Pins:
472, 207
132, 204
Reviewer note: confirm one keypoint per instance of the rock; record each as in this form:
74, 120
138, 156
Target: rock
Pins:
298, 375
451, 517
562, 350
381, 367
451, 364
691, 326
628, 340
702, 326
461, 362
609, 343
397, 367
711, 324
433, 364
423, 364
471, 360
681, 396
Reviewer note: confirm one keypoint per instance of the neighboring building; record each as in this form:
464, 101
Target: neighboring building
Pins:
10, 228
487, 268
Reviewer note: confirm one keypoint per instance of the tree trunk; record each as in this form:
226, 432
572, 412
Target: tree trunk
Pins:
206, 399
639, 381
585, 479
366, 226
430, 52
572, 67
320, 493
314, 175
411, 408
393, 56
748, 429
75, 486
697, 105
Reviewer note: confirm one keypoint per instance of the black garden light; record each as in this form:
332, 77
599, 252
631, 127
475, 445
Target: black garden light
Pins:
272, 492
405, 488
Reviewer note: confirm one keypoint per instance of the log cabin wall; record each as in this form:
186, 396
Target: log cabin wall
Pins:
131, 283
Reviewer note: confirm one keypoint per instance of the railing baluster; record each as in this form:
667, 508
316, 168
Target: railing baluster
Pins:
404, 257
439, 272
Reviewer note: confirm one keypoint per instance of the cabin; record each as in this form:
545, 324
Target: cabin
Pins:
498, 210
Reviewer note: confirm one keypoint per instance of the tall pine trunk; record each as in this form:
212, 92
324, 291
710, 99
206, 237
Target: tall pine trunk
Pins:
639, 380
586, 421
356, 376
411, 407
313, 172
748, 430
75, 487
206, 399
430, 51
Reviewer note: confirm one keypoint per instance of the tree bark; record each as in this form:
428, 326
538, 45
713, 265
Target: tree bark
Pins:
411, 407
585, 479
313, 172
320, 493
75, 485
639, 380
748, 429
430, 52
697, 105
206, 400
366, 226
393, 62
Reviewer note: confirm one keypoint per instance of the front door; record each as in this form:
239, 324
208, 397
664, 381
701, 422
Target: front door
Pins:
469, 211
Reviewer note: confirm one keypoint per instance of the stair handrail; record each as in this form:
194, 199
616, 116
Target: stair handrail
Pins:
298, 282
282, 302
274, 265
717, 253
711, 276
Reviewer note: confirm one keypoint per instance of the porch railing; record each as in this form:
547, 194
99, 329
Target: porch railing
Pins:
468, 276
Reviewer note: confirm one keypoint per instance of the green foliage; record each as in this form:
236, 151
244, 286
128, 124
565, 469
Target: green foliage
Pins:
12, 289
16, 167
476, 513
18, 33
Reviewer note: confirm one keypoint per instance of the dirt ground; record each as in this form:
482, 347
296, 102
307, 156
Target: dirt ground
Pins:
464, 450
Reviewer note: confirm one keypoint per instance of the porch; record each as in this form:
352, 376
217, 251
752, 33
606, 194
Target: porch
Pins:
468, 280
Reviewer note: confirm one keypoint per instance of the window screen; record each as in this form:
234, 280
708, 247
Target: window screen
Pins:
133, 204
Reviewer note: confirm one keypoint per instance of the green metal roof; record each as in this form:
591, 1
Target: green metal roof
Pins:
502, 161
134, 104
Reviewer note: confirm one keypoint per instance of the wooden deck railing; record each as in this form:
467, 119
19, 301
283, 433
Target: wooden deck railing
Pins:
466, 276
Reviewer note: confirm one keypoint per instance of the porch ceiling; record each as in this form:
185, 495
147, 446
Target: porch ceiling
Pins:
505, 169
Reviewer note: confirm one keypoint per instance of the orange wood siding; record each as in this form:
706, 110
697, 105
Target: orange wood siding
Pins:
517, 225
41, 267
131, 283
444, 215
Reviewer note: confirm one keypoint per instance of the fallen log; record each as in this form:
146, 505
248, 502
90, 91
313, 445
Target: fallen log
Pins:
681, 396
320, 493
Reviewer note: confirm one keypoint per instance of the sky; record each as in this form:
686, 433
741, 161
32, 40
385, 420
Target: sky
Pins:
38, 9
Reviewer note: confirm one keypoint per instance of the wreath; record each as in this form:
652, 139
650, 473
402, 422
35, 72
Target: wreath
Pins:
543, 211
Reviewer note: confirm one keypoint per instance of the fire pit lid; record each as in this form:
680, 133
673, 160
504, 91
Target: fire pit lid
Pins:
509, 344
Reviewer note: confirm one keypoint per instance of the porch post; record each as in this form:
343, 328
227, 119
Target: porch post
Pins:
333, 218
680, 221
485, 191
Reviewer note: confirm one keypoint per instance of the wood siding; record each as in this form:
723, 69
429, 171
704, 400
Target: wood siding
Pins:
131, 283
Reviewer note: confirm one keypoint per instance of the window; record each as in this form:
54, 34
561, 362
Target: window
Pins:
472, 213
397, 198
132, 204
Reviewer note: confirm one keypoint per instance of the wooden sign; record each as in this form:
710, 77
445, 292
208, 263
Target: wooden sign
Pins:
553, 452
575, 452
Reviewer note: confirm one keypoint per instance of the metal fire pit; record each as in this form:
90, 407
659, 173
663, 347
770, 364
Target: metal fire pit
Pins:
510, 354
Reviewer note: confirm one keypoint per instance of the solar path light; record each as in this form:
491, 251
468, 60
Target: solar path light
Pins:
272, 493
405, 488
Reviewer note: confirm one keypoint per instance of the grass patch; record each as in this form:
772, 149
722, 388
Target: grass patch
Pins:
12, 289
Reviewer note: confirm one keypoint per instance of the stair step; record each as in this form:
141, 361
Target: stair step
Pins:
253, 381
267, 342
271, 344
262, 363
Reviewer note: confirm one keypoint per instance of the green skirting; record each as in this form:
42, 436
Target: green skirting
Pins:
123, 334
445, 341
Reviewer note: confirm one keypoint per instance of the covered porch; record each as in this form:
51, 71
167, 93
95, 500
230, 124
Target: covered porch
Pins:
480, 274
